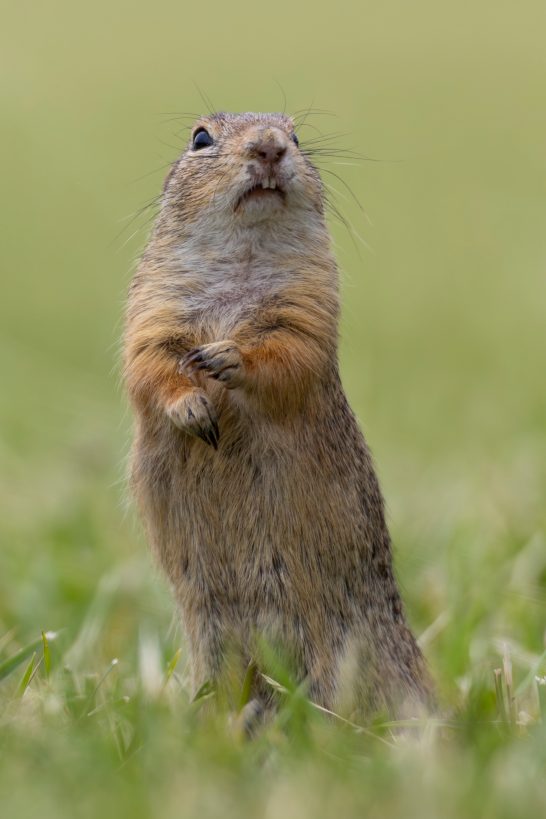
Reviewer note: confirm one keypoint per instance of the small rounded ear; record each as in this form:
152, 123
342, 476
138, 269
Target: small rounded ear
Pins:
169, 176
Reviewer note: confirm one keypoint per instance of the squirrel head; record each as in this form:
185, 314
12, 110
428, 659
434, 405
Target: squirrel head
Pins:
243, 171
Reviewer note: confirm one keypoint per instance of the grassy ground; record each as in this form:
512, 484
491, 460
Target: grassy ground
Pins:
442, 355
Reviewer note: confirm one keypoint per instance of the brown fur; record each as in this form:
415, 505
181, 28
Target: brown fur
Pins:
251, 474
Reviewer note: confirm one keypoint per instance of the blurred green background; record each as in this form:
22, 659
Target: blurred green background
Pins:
442, 349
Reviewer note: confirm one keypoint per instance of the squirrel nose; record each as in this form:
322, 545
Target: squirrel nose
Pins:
270, 152
268, 145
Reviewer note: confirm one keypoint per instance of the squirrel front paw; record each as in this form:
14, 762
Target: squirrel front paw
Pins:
221, 360
194, 413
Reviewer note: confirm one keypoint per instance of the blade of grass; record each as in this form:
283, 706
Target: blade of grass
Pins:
6, 638
88, 710
535, 670
47, 655
172, 665
360, 729
509, 682
206, 690
247, 685
15, 660
541, 695
23, 685
501, 703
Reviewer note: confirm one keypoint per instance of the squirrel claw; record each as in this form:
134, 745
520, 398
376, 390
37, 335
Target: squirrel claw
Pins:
209, 438
193, 413
220, 360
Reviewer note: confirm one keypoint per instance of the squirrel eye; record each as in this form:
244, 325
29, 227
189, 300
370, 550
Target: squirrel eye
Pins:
295, 140
201, 139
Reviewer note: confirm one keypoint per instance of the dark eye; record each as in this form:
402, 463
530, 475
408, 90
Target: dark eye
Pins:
201, 139
295, 140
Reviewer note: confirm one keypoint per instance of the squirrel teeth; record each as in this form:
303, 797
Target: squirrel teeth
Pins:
269, 183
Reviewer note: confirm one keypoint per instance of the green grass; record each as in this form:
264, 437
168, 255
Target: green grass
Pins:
442, 352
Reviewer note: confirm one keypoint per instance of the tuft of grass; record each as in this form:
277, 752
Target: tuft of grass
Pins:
9, 665
122, 736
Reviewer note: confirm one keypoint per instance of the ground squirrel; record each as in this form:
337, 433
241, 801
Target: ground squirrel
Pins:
250, 471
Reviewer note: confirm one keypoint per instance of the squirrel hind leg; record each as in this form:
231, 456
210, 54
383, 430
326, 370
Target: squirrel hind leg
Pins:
256, 714
251, 718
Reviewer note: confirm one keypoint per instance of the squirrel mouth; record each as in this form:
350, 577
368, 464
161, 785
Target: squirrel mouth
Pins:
266, 189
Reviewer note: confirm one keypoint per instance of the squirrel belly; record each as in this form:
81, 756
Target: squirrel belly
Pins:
251, 474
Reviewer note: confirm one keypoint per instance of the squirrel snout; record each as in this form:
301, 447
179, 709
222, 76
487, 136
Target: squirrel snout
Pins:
268, 145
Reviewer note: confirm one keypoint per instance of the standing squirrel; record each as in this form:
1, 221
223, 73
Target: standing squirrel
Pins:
251, 474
